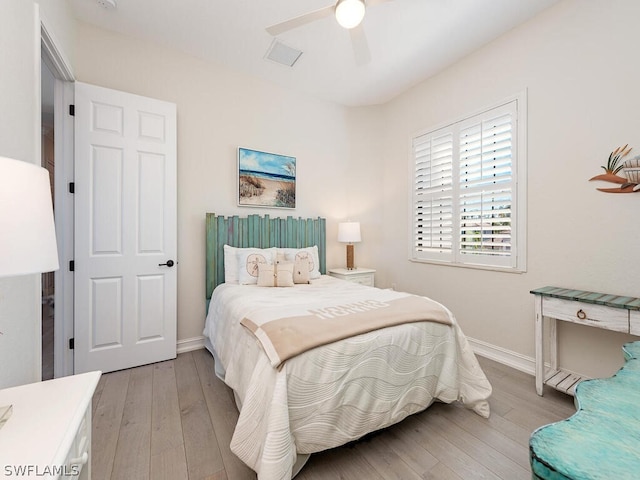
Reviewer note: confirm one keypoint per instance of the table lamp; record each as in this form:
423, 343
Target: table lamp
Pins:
349, 233
28, 238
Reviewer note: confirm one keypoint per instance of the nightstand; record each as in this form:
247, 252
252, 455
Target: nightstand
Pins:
363, 276
49, 432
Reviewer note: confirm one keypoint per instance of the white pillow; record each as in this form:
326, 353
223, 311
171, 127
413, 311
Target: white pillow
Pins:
275, 275
249, 260
311, 253
230, 264
301, 269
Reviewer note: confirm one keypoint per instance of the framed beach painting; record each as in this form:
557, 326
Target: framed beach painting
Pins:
266, 179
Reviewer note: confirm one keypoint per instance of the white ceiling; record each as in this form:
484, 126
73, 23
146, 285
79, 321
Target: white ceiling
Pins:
409, 40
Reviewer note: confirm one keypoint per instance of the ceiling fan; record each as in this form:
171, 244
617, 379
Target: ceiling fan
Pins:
348, 13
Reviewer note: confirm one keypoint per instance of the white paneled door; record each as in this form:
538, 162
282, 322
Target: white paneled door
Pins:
125, 230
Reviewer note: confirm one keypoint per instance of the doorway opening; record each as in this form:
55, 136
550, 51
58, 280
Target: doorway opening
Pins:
47, 87
57, 94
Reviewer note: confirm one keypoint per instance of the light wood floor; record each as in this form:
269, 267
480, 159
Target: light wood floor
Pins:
174, 420
47, 339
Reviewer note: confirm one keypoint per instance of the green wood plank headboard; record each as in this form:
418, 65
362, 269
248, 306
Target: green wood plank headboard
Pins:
260, 232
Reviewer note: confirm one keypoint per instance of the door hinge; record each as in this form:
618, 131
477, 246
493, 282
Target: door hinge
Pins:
72, 187
72, 110
72, 266
72, 343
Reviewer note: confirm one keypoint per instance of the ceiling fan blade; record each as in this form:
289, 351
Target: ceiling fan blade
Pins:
360, 45
296, 22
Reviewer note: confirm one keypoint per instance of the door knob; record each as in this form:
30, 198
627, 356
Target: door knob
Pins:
169, 263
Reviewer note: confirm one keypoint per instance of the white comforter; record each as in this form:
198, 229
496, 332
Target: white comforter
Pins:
333, 394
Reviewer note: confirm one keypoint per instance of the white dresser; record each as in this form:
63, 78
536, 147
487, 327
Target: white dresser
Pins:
363, 276
48, 435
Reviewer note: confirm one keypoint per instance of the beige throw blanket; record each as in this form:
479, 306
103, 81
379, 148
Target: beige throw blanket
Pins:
288, 336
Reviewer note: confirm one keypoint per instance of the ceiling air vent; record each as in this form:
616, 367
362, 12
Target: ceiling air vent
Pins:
280, 53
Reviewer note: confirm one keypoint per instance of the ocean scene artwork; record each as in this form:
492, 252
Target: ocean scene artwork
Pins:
266, 179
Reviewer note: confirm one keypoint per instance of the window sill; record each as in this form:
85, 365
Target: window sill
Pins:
472, 266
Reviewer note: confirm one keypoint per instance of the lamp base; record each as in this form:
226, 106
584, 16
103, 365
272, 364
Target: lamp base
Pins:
350, 257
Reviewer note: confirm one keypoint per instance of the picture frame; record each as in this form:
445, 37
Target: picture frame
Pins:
266, 179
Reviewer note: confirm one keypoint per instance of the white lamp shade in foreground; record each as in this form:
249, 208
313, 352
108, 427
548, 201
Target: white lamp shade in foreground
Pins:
27, 231
349, 232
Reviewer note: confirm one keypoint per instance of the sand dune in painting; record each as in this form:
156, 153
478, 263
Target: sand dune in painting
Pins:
266, 192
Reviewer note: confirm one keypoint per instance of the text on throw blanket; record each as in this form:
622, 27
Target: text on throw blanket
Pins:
348, 309
289, 335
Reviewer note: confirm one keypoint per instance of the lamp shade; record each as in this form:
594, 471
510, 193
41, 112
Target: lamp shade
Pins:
349, 13
27, 231
349, 232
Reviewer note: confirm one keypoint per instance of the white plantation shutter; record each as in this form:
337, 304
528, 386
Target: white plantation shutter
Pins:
433, 205
486, 164
465, 191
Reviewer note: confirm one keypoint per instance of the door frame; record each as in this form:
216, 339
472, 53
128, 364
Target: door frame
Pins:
57, 62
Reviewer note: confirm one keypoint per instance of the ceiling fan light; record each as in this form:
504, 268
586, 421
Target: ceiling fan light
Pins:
349, 13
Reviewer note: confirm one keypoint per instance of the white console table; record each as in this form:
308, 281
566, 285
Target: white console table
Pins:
599, 310
48, 435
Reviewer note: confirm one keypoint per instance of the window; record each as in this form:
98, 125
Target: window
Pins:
469, 191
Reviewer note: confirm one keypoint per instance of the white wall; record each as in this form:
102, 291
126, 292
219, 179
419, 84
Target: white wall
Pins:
365, 184
578, 62
20, 314
57, 17
219, 110
353, 163
20, 134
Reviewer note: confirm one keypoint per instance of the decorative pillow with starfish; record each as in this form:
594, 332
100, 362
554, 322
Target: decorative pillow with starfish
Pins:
249, 261
309, 254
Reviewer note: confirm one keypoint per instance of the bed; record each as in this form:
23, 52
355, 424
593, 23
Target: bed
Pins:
298, 392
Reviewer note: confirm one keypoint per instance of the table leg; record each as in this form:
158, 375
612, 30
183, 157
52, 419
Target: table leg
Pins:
539, 331
553, 343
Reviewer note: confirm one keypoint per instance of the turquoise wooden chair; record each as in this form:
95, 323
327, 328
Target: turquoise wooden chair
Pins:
602, 439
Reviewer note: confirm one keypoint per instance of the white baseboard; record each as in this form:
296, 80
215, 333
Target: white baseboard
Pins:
189, 344
502, 355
